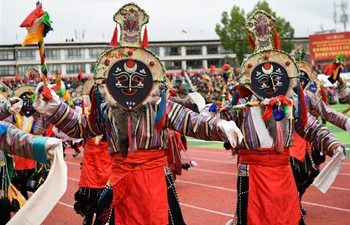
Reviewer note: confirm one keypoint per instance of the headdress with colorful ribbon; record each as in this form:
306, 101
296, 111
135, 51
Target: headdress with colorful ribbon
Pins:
132, 74
269, 73
38, 24
333, 70
60, 87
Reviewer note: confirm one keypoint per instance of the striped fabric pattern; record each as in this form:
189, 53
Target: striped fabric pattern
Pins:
4, 113
23, 144
178, 118
321, 109
317, 134
344, 94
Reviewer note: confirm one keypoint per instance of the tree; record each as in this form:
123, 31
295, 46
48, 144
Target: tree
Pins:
234, 36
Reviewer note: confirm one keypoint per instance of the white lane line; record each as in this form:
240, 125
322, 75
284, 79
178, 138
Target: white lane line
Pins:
69, 178
212, 171
62, 203
233, 162
205, 185
326, 206
231, 190
207, 210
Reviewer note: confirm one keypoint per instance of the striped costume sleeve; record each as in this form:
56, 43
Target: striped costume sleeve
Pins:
330, 115
74, 124
23, 144
182, 101
317, 134
344, 94
4, 113
192, 124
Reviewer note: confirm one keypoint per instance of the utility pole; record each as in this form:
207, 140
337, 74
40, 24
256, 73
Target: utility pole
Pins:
344, 17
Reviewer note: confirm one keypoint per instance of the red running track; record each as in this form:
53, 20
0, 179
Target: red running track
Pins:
207, 192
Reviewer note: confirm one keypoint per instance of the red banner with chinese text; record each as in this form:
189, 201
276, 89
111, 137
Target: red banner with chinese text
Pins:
327, 46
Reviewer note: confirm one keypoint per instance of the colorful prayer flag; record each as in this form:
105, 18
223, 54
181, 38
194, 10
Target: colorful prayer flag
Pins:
38, 24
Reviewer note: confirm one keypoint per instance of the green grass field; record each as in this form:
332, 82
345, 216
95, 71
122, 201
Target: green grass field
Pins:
343, 136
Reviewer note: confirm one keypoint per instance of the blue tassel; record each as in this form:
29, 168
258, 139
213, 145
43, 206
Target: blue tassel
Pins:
161, 109
213, 108
234, 98
33, 127
278, 114
3, 129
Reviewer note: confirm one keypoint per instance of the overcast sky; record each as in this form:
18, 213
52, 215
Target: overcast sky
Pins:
167, 18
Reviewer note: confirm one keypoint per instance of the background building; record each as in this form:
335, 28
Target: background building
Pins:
70, 57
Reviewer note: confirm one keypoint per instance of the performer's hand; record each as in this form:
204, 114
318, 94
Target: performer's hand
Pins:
340, 82
197, 99
50, 147
46, 106
14, 105
339, 149
233, 134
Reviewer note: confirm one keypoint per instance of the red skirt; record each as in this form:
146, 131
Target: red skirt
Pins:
139, 188
273, 196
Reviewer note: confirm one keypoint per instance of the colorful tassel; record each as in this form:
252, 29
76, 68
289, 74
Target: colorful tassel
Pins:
172, 93
279, 138
130, 139
160, 117
3, 128
329, 69
114, 41
213, 108
277, 40
278, 112
335, 74
251, 42
145, 38
82, 106
45, 91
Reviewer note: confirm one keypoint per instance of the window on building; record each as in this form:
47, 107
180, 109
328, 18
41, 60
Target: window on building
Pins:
194, 64
224, 51
154, 50
172, 51
53, 67
92, 67
26, 54
95, 52
73, 69
7, 55
23, 69
172, 65
193, 50
212, 49
218, 63
75, 53
7, 71
53, 54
